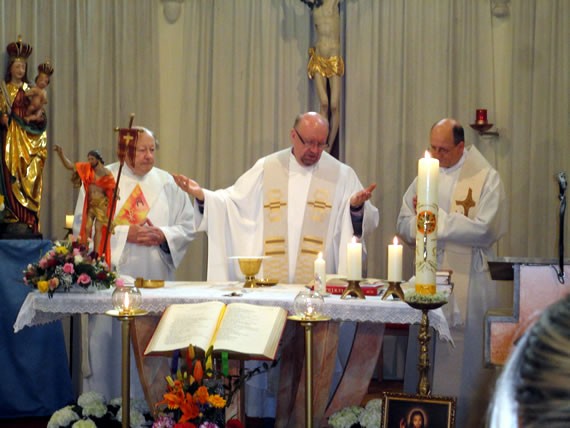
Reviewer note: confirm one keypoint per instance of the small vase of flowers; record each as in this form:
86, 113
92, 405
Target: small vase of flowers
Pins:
67, 265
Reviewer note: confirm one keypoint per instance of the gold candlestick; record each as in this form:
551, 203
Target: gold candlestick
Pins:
126, 317
353, 290
307, 322
424, 387
395, 289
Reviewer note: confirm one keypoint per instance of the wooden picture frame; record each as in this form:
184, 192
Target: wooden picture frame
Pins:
436, 411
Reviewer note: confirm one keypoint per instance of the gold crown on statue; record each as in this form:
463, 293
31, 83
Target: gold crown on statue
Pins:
45, 68
19, 49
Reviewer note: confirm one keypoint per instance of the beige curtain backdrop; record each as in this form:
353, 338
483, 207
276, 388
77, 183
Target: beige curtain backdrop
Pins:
237, 78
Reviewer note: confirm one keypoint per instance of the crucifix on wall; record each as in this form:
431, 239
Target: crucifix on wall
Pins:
326, 66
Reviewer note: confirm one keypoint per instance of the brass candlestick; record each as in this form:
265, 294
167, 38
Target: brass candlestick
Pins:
394, 288
424, 337
353, 290
307, 322
126, 317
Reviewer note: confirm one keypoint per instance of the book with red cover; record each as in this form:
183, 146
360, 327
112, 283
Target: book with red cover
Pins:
370, 287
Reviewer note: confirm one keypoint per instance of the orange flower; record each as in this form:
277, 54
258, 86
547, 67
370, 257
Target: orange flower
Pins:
198, 371
175, 397
189, 409
201, 395
217, 401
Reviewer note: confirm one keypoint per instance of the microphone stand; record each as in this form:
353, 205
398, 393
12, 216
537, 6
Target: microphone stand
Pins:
562, 184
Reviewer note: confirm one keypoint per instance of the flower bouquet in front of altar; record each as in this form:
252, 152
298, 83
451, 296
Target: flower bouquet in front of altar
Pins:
69, 264
195, 397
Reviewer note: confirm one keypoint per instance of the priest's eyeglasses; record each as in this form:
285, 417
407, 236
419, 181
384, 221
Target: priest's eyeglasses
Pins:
311, 144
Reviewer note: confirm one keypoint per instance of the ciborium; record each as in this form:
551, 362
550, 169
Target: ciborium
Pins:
249, 267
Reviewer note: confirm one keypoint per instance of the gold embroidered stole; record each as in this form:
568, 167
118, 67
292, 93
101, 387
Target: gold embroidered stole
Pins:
465, 201
315, 221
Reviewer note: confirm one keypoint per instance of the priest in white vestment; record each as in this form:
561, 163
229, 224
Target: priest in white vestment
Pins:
471, 219
290, 206
153, 227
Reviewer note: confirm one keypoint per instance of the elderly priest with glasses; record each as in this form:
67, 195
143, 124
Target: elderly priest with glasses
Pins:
290, 205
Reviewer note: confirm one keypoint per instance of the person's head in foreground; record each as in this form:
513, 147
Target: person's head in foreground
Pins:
534, 388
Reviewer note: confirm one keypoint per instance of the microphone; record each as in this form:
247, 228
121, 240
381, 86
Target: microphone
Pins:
562, 182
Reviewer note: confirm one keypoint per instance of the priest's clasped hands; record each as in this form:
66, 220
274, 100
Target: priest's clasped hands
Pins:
145, 234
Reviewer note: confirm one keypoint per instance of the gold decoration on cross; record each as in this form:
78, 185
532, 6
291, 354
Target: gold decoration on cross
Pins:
467, 203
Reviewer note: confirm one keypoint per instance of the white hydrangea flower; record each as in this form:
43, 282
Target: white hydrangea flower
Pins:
375, 404
117, 401
93, 404
62, 417
137, 419
370, 417
90, 397
140, 405
346, 417
84, 423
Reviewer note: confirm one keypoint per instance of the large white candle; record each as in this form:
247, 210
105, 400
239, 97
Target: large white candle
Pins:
428, 173
69, 221
426, 231
395, 261
321, 269
354, 260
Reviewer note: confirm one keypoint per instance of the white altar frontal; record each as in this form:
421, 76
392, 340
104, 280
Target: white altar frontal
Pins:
370, 315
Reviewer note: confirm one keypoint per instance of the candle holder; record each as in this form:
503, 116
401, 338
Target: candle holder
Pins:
424, 387
126, 319
394, 289
307, 323
353, 290
483, 129
126, 301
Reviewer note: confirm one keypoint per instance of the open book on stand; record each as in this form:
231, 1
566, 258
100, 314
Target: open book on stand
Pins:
241, 328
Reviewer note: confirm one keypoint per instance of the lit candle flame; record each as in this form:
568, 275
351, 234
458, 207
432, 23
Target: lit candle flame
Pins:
427, 155
395, 241
126, 303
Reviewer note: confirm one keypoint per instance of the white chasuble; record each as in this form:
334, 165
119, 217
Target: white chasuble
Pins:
457, 257
313, 207
238, 224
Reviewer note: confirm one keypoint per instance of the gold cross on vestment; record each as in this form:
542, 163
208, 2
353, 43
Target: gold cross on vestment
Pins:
467, 203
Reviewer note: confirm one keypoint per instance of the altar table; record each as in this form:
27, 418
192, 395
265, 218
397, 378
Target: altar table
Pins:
370, 314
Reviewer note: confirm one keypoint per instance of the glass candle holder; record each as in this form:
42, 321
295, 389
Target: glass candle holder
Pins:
308, 304
126, 299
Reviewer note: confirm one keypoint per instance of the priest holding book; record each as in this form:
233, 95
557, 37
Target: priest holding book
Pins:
290, 205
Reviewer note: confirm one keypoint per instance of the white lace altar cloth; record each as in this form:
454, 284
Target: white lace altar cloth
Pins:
39, 309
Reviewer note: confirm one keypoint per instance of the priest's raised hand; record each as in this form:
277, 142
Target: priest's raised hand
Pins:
189, 186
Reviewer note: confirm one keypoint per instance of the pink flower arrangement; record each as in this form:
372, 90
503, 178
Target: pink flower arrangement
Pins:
66, 265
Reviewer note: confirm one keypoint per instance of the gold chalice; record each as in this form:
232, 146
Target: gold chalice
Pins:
249, 266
